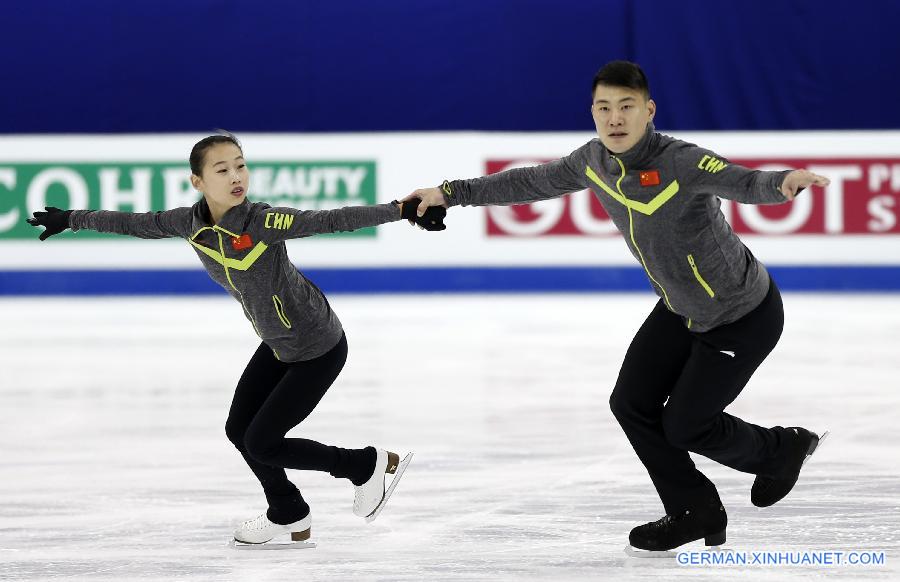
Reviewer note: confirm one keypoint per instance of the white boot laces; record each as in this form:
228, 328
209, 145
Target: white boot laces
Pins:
258, 523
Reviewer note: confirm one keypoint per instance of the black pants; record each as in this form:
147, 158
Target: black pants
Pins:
673, 388
273, 397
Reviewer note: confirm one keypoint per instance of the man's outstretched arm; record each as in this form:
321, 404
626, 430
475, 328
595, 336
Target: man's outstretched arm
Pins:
516, 186
706, 172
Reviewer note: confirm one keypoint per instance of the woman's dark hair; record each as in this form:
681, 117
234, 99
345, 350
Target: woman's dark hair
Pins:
198, 152
622, 74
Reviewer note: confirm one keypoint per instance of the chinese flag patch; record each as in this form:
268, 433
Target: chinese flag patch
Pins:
242, 242
650, 178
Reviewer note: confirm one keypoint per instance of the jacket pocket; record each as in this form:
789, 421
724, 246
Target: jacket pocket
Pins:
279, 309
699, 277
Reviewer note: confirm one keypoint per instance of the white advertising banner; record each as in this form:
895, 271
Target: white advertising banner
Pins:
854, 221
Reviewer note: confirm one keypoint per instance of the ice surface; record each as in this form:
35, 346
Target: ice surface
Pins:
114, 463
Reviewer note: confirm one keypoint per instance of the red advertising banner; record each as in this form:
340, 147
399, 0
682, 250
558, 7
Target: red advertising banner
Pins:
863, 198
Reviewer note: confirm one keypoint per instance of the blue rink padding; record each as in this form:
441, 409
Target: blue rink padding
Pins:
430, 280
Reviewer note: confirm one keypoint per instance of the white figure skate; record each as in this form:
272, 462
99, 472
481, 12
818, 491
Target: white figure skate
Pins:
370, 497
259, 533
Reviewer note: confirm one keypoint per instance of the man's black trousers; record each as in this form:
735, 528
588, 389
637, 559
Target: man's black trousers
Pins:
673, 388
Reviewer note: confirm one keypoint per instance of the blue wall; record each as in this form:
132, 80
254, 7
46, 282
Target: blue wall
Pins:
278, 65
844, 278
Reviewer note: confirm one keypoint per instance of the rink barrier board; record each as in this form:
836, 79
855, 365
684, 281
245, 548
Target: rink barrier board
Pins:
860, 279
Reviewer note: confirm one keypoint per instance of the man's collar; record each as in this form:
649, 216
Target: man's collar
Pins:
637, 154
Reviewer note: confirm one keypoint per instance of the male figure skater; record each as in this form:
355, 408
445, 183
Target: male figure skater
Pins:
719, 313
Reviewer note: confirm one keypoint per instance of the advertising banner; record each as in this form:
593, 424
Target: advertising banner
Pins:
862, 199
841, 237
148, 186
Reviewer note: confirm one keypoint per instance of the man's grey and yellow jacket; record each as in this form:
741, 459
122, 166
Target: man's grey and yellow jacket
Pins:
289, 313
672, 223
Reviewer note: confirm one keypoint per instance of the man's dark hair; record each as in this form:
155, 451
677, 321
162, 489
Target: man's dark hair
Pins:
622, 74
198, 152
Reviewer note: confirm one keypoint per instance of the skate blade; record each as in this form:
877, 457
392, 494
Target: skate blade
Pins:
272, 545
387, 494
637, 553
816, 448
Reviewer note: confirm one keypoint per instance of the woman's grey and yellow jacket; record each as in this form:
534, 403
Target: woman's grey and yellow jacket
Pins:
245, 254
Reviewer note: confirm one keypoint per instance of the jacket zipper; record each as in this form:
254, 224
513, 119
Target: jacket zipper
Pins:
230, 282
705, 285
631, 234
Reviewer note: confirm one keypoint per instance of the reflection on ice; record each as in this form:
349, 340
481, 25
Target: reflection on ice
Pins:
115, 464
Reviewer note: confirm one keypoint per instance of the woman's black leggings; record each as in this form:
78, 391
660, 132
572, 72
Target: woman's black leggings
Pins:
271, 398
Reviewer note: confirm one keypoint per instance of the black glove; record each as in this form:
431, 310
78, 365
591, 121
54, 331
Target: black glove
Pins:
433, 219
54, 220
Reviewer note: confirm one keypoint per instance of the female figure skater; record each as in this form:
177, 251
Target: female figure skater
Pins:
303, 349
